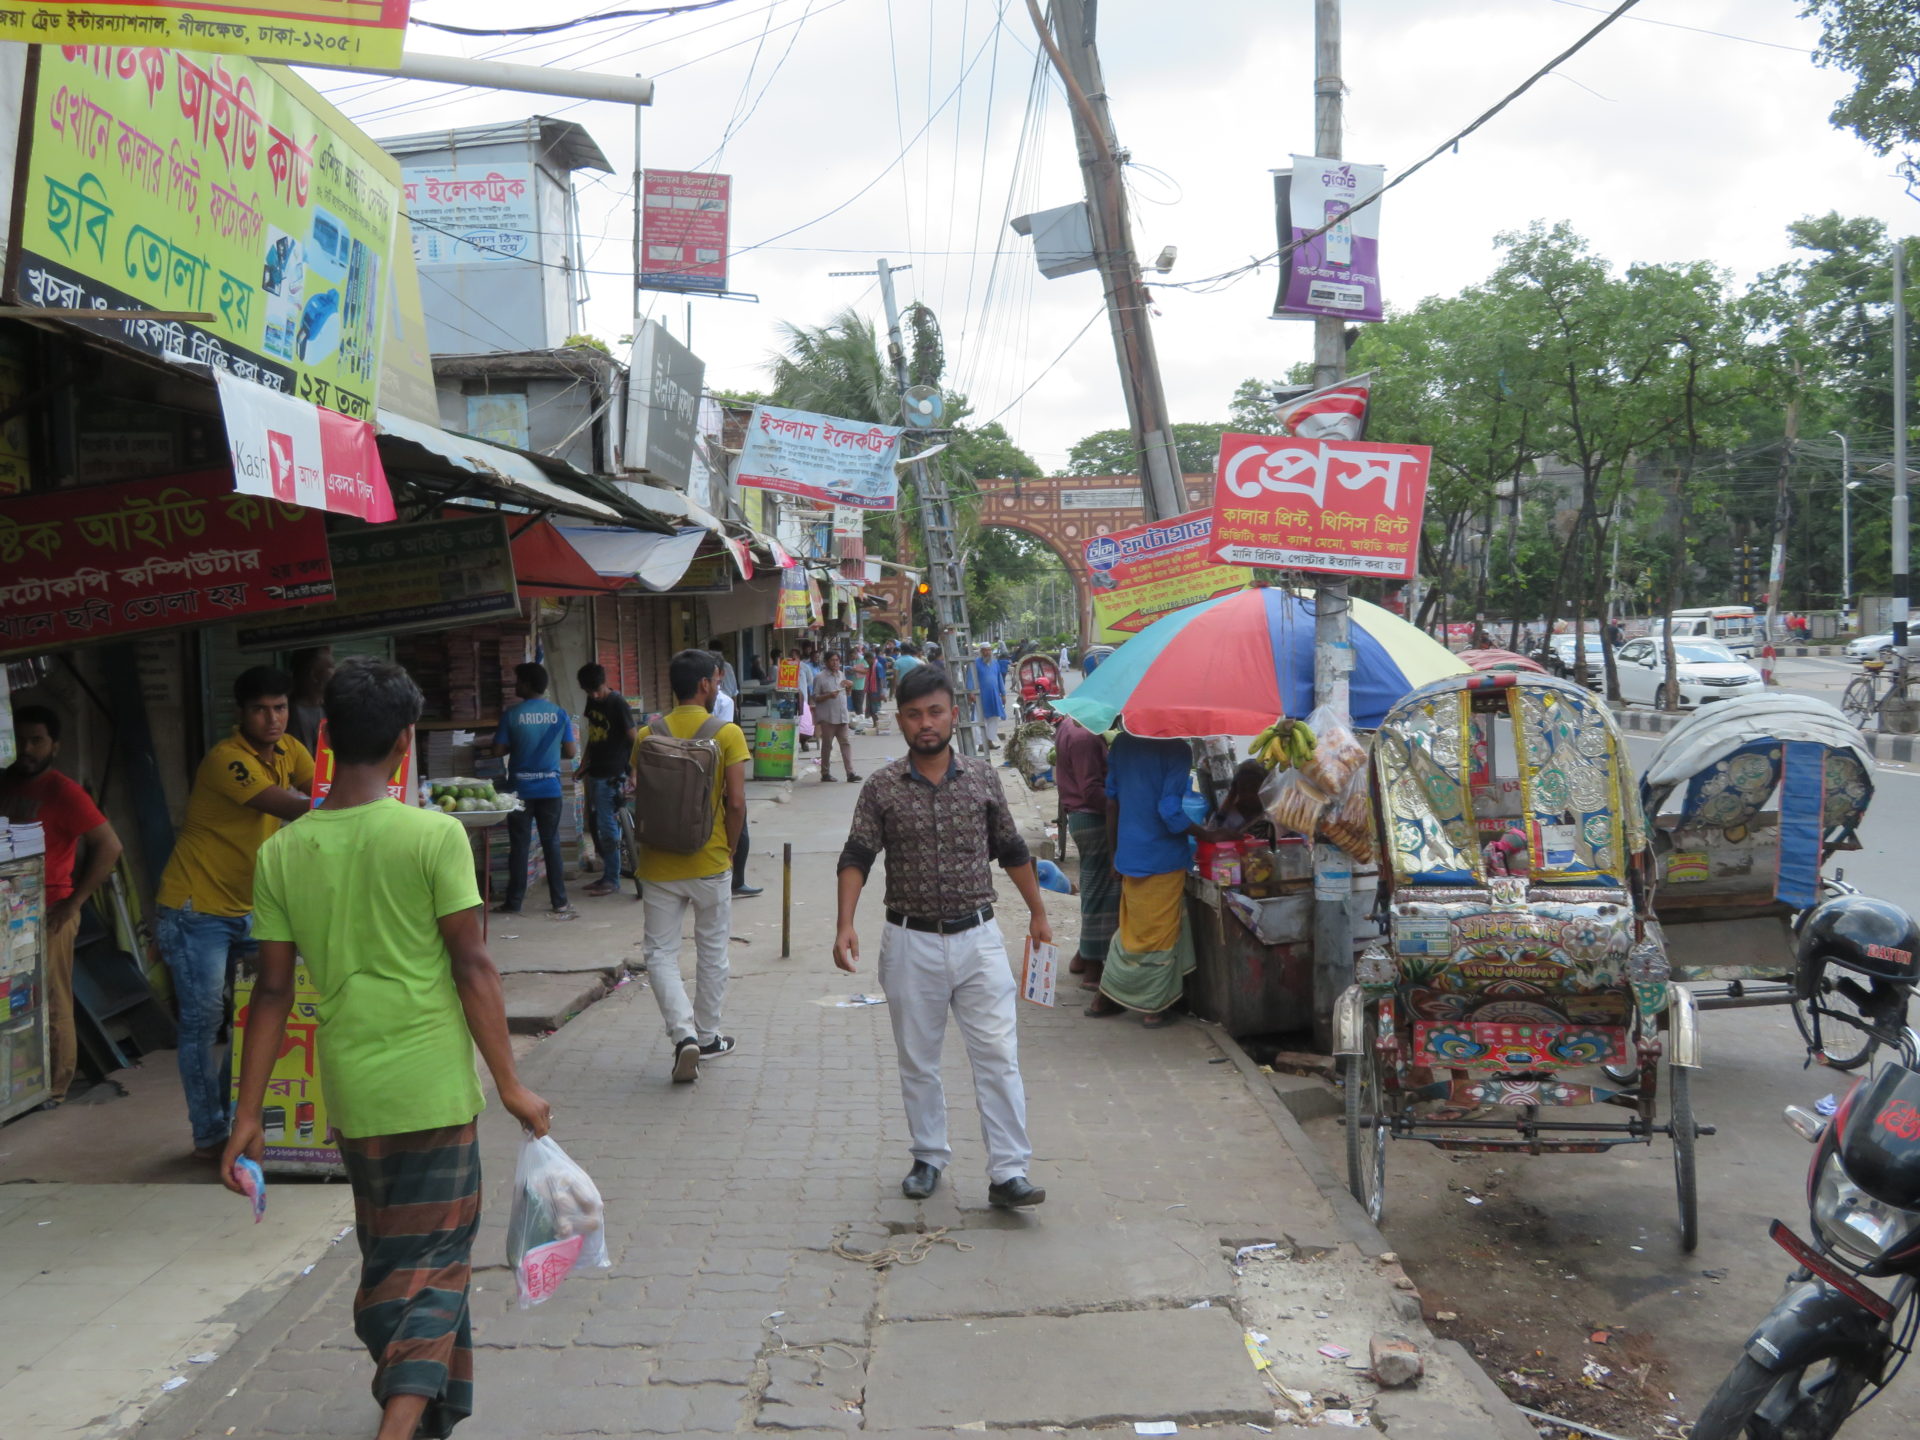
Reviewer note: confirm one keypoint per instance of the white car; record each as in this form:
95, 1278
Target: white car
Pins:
1868, 647
1705, 672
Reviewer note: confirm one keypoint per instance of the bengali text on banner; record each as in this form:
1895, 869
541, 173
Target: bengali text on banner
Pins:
1145, 572
111, 560
206, 184
832, 461
286, 448
347, 34
1345, 507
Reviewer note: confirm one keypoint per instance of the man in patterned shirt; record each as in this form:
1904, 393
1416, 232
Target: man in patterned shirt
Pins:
942, 820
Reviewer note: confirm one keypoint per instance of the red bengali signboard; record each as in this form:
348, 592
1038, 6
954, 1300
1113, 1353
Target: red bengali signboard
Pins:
684, 235
1342, 506
110, 560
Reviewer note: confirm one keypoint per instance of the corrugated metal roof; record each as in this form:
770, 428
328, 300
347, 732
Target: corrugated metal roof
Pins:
507, 469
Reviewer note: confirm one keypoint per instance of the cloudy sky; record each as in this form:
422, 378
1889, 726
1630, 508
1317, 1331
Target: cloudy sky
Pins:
861, 128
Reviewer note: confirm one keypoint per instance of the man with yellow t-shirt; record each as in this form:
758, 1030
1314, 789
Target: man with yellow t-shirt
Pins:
248, 785
670, 881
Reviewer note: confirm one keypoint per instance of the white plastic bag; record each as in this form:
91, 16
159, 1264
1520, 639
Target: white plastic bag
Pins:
1337, 751
558, 1221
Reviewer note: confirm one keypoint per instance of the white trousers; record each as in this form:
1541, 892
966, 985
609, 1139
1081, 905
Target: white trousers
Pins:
991, 723
924, 976
666, 903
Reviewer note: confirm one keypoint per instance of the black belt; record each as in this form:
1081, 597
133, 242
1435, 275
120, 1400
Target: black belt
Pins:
941, 927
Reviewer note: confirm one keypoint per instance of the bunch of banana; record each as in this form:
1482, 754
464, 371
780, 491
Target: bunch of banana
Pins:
1283, 743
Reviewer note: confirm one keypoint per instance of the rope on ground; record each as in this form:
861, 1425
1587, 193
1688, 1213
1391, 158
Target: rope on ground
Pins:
912, 1254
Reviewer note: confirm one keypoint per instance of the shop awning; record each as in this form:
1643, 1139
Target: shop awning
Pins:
656, 561
417, 447
545, 562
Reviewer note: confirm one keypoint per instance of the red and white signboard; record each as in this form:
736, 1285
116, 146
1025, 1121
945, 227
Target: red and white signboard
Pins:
684, 236
1340, 506
288, 449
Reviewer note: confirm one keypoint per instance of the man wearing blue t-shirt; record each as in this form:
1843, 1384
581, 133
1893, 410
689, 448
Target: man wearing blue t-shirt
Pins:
536, 735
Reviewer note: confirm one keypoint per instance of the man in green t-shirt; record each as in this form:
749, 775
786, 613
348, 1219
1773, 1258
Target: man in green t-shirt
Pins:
378, 898
670, 881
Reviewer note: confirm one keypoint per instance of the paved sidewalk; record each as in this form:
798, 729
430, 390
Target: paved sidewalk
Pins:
728, 1311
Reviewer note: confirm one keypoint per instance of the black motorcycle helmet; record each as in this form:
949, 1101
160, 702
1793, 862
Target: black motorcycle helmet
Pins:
1870, 937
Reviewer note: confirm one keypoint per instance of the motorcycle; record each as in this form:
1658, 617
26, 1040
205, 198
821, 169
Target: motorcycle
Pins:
1833, 1338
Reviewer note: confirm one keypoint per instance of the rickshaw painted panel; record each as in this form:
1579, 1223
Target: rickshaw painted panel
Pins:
1547, 947
1507, 1046
1580, 818
1422, 767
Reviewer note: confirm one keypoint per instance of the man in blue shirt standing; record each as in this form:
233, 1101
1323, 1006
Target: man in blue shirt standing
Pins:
536, 735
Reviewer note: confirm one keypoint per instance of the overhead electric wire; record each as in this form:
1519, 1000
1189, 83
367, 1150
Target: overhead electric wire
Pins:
1078, 337
1696, 29
659, 12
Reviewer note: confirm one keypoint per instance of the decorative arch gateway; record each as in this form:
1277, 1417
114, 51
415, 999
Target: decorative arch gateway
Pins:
1066, 511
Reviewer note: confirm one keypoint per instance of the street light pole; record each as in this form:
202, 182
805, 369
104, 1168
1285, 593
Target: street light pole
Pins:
1846, 522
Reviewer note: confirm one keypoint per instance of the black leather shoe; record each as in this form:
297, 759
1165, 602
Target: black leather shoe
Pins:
1015, 1194
746, 892
921, 1181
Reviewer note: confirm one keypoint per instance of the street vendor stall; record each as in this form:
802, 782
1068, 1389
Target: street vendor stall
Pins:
1230, 667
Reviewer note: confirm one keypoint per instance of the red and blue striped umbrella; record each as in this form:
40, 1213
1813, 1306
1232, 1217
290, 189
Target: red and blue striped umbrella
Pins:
1232, 666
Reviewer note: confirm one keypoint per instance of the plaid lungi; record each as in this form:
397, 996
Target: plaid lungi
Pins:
416, 1203
1099, 886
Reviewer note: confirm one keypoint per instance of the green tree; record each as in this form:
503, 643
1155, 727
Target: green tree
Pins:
1878, 42
1111, 452
1251, 411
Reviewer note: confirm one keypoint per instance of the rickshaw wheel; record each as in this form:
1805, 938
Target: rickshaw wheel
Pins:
1680, 1119
1366, 1127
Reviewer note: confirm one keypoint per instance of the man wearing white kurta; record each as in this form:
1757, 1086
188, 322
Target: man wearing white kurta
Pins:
942, 821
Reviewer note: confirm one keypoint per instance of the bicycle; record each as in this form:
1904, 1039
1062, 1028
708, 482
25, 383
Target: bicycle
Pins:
1879, 681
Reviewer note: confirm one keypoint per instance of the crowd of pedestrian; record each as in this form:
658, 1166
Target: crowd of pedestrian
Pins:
378, 900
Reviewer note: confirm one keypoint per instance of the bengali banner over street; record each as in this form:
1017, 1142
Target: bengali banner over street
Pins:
352, 34
162, 180
834, 462
110, 560
1148, 571
1339, 506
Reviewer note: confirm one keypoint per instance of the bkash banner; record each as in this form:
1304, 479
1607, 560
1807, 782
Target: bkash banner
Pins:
291, 450
1336, 274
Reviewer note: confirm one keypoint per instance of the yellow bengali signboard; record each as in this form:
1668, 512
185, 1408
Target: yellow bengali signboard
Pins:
204, 184
351, 34
299, 1132
1146, 572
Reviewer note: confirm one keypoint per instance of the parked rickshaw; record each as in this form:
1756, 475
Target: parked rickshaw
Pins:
1473, 1019
1038, 678
1748, 800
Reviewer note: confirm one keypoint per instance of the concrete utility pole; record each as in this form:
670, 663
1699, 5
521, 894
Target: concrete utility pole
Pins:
946, 576
1902, 636
1782, 515
1332, 642
1846, 522
1162, 487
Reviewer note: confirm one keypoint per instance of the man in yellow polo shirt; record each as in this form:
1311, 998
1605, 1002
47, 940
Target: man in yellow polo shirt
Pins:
247, 787
670, 882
